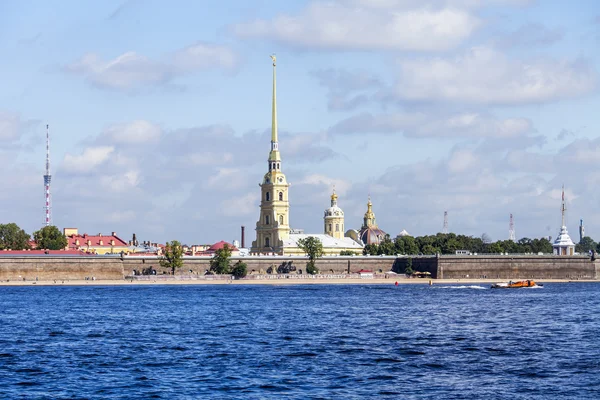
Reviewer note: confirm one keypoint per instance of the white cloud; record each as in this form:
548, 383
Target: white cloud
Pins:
10, 125
366, 25
204, 55
132, 71
461, 160
423, 124
245, 205
327, 183
90, 159
484, 75
135, 132
127, 71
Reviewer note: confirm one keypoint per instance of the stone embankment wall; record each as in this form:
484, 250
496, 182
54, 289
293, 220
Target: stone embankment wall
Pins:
64, 268
260, 265
518, 267
448, 267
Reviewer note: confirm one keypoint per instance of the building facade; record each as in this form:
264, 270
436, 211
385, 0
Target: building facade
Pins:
272, 227
334, 219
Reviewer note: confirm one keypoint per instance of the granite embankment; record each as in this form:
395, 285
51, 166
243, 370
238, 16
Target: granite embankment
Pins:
443, 267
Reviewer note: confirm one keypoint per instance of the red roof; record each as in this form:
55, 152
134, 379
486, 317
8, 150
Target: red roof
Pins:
365, 271
220, 245
94, 241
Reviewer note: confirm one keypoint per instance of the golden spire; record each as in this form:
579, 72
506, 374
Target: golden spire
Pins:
369, 219
334, 197
274, 155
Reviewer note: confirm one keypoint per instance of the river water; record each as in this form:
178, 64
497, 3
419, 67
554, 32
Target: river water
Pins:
298, 342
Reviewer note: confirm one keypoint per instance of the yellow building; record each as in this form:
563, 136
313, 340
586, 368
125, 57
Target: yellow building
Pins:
273, 233
334, 219
273, 227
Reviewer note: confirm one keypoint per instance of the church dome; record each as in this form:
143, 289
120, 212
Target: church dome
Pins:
371, 235
370, 232
334, 210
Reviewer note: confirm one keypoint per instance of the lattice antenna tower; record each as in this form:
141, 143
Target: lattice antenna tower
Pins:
511, 229
445, 228
47, 180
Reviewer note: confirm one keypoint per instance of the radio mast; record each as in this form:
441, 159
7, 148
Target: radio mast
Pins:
47, 180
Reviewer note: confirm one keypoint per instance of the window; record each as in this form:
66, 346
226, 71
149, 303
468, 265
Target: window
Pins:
267, 244
268, 196
337, 227
329, 227
281, 220
267, 220
280, 196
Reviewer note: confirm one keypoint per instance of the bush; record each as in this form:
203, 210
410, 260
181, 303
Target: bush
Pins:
239, 270
311, 269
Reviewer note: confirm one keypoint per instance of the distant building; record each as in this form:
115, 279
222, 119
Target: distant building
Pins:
96, 244
403, 233
581, 230
369, 232
563, 245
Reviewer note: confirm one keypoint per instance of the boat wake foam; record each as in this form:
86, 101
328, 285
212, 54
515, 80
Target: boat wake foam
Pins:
459, 287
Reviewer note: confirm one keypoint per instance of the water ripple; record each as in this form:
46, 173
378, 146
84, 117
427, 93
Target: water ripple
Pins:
296, 342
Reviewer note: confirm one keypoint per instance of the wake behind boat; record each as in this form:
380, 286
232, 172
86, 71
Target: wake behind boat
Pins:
516, 285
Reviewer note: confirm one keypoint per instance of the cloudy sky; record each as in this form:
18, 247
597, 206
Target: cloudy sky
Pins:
159, 113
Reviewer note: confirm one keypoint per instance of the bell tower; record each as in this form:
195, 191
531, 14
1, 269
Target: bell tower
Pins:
272, 227
334, 219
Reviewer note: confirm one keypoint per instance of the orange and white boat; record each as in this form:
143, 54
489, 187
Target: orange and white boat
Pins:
516, 284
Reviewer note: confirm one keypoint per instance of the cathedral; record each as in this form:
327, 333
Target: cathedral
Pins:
273, 232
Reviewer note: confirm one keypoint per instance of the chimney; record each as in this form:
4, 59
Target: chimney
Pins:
243, 237
113, 234
112, 242
76, 242
101, 242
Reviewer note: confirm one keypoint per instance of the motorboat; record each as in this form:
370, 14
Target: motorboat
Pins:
516, 284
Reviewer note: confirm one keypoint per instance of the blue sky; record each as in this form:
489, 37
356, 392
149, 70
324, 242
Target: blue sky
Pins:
160, 113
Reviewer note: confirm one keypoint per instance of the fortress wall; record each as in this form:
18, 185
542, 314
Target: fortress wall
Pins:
448, 267
337, 265
517, 267
64, 268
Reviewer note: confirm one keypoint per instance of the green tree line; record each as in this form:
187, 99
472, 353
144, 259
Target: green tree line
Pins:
449, 243
14, 238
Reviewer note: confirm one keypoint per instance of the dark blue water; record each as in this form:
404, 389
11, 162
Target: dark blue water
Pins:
246, 342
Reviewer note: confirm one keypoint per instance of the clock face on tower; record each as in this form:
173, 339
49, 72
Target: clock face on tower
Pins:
280, 179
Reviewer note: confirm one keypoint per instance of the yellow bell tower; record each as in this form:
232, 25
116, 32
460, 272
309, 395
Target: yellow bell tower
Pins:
334, 219
273, 226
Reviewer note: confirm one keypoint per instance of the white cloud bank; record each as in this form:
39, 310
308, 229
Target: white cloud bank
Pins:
366, 25
132, 71
485, 76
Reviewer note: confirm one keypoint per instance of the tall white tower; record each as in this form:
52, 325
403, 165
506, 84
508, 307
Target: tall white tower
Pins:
47, 180
511, 229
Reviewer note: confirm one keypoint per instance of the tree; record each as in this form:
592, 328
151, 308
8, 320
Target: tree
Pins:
172, 256
348, 253
13, 237
51, 238
408, 270
585, 245
239, 270
313, 248
220, 261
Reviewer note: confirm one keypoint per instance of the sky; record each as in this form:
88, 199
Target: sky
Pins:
160, 113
